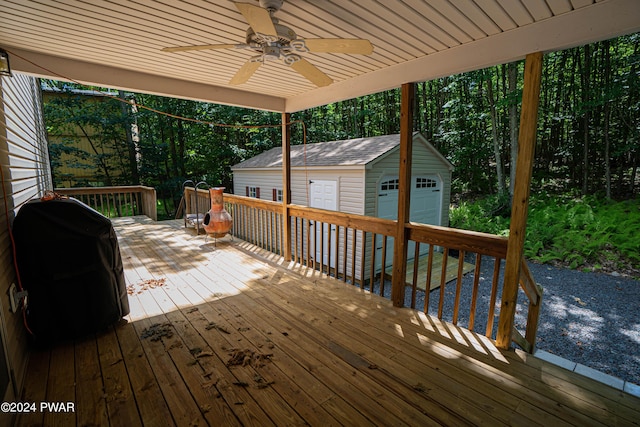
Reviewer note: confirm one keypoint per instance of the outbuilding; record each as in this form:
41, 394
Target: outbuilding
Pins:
357, 176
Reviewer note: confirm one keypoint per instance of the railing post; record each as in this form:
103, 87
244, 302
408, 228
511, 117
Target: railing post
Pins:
286, 186
520, 203
149, 202
404, 175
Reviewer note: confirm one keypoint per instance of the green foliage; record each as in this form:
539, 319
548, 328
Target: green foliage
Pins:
87, 134
585, 232
587, 140
480, 215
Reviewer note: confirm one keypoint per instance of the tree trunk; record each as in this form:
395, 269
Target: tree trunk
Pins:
513, 122
99, 157
494, 135
585, 77
181, 148
607, 116
172, 149
132, 149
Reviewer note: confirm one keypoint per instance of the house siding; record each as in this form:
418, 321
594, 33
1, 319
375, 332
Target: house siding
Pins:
266, 180
351, 185
25, 166
350, 190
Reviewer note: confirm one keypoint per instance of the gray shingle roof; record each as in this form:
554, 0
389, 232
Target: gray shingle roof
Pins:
348, 152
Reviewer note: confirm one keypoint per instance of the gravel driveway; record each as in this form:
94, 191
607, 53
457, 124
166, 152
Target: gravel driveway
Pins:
588, 318
592, 319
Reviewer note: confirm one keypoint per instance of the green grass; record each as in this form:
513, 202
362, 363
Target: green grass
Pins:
580, 233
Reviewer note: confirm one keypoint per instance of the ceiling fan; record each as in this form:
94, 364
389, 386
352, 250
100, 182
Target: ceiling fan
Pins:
273, 41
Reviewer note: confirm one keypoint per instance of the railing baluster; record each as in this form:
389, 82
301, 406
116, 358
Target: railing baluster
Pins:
474, 292
137, 210
372, 266
272, 223
118, 204
321, 241
427, 285
307, 230
246, 230
456, 306
299, 240
110, 201
414, 281
362, 257
330, 249
494, 295
443, 281
254, 223
354, 240
260, 225
383, 267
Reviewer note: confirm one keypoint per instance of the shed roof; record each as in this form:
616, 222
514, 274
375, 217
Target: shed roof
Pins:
346, 152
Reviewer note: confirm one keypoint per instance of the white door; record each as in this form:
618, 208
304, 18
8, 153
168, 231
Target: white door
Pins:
324, 195
426, 203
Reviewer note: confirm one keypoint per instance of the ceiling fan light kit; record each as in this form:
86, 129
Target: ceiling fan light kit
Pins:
276, 42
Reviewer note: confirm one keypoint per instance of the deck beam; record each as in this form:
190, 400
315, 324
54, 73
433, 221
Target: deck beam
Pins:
401, 239
520, 202
286, 186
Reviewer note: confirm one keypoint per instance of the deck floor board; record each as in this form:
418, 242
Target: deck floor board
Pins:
219, 335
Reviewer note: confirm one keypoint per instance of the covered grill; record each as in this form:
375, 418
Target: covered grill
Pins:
70, 265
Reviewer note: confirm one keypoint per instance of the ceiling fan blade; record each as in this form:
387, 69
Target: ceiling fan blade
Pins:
311, 72
245, 72
359, 46
258, 18
199, 47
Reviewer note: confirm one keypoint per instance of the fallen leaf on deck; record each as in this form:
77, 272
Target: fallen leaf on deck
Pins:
241, 383
209, 384
138, 288
248, 357
419, 387
156, 331
213, 325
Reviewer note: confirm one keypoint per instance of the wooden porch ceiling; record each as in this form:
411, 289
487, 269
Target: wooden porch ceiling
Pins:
318, 351
118, 43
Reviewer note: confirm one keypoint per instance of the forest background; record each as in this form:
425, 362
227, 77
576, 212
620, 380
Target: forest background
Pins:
585, 209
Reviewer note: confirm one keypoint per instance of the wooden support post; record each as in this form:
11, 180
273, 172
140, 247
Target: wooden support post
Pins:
286, 186
401, 241
520, 203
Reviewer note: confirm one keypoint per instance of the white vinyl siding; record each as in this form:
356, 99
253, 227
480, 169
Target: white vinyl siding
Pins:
351, 185
265, 180
424, 162
357, 183
25, 165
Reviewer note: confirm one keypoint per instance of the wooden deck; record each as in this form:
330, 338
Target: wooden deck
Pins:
222, 336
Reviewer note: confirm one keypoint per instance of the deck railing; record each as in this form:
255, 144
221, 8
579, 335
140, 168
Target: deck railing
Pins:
353, 248
116, 201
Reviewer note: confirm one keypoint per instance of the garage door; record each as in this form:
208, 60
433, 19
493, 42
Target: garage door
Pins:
426, 204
